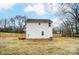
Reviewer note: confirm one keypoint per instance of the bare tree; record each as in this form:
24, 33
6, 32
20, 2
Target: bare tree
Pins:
71, 10
1, 25
67, 27
5, 23
21, 21
12, 20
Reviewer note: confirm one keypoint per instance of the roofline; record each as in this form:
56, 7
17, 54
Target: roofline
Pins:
38, 20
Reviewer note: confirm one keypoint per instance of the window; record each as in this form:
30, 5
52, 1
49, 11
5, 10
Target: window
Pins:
42, 33
28, 35
49, 24
39, 23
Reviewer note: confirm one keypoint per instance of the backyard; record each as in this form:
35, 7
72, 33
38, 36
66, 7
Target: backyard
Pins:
58, 46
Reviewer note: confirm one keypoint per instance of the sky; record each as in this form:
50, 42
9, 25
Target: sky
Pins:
31, 10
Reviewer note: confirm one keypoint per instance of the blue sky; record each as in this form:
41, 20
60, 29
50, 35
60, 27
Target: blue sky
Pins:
18, 9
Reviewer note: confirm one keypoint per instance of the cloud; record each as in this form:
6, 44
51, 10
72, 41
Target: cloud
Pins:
53, 7
6, 6
37, 8
57, 22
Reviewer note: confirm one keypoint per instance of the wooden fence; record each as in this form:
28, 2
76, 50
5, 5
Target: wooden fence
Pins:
56, 35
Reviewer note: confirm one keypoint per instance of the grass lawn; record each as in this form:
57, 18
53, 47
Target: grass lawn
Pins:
58, 46
11, 45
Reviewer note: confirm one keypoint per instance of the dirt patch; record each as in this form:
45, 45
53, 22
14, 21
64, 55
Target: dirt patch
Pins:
2, 46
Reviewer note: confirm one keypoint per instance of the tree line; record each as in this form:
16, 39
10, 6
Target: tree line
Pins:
14, 24
70, 19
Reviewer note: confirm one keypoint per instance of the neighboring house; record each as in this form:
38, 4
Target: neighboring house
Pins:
38, 29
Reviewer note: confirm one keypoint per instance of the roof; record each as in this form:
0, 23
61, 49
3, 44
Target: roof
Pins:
39, 20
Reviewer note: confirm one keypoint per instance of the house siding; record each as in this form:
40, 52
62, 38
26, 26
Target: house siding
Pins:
34, 30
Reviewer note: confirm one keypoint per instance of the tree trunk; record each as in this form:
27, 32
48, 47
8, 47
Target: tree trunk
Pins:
76, 27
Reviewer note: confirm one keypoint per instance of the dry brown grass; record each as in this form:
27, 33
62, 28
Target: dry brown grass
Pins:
58, 46
13, 35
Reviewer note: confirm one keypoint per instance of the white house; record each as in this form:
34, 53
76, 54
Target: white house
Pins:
38, 29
